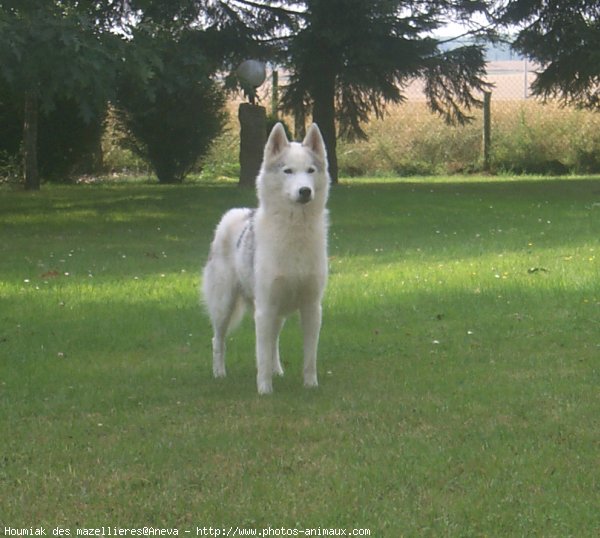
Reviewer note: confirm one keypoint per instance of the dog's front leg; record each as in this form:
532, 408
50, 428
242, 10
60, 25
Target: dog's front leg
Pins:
268, 326
310, 315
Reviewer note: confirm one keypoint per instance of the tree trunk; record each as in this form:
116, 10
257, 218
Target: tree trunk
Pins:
324, 117
30, 135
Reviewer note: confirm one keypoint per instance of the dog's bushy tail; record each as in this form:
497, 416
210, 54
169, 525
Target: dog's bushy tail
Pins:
223, 302
221, 294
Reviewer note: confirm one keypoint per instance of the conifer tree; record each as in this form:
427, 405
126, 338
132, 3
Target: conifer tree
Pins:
563, 37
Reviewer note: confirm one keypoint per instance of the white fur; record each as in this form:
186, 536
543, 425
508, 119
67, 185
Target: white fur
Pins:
274, 259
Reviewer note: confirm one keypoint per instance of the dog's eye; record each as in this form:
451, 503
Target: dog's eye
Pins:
311, 170
288, 171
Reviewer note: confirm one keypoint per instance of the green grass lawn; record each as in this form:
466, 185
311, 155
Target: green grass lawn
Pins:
459, 365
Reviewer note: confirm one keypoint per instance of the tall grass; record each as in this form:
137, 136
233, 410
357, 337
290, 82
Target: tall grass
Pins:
458, 365
528, 137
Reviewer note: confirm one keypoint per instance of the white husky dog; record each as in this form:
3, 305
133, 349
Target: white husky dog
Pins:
274, 258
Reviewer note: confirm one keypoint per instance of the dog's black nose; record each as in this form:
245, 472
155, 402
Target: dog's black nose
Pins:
304, 195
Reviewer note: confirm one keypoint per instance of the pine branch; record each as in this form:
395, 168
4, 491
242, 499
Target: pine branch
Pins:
276, 10
487, 30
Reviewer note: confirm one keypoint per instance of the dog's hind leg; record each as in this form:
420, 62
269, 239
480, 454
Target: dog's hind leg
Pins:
218, 344
224, 319
277, 368
310, 315
225, 307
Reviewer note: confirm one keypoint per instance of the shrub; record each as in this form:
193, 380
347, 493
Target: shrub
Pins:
173, 116
10, 168
222, 157
68, 145
117, 159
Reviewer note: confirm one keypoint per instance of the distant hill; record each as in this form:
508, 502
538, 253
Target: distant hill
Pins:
501, 53
493, 53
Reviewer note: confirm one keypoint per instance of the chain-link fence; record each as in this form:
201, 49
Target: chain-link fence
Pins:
522, 133
510, 75
511, 81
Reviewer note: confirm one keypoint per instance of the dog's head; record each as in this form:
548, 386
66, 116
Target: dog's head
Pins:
296, 171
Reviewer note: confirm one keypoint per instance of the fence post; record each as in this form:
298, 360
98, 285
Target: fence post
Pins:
487, 129
275, 94
525, 79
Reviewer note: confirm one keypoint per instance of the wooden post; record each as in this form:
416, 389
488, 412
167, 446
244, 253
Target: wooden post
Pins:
275, 94
253, 136
487, 129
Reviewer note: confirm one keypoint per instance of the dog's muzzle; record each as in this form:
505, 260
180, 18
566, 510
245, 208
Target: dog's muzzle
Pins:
304, 195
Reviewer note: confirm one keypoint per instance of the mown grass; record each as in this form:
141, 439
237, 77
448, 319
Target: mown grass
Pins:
458, 364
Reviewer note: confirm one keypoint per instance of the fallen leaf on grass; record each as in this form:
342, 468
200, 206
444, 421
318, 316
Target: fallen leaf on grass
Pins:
533, 270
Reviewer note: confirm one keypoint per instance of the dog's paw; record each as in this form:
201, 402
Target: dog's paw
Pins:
278, 369
219, 373
310, 382
265, 388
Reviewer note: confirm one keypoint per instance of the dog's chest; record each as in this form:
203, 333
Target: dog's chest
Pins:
294, 250
291, 263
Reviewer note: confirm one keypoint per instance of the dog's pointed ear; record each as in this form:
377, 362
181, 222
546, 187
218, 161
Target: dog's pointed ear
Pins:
314, 141
276, 143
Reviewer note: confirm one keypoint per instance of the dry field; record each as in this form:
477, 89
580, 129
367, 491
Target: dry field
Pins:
511, 79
